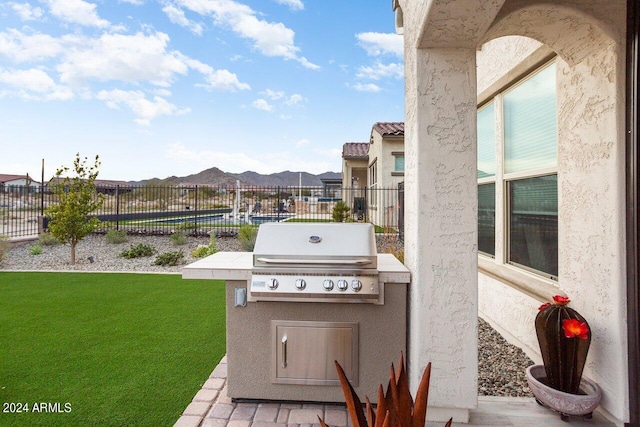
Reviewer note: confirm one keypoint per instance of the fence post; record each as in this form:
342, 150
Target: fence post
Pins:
118, 207
195, 214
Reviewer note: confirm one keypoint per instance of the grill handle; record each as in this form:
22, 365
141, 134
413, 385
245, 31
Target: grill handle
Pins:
294, 261
284, 351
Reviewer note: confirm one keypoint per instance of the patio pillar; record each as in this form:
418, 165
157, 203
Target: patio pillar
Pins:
441, 226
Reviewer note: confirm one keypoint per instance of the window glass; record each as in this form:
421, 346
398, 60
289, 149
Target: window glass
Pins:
533, 223
487, 218
486, 142
530, 124
399, 164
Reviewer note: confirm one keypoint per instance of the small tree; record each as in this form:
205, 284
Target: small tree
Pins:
69, 219
340, 211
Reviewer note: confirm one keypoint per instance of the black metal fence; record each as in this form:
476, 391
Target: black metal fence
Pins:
201, 210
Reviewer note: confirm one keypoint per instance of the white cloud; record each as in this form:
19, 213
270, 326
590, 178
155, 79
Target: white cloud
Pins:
21, 47
269, 38
144, 109
302, 142
294, 99
262, 104
239, 162
134, 2
377, 44
292, 4
273, 95
370, 87
77, 12
177, 16
381, 71
26, 12
33, 84
128, 58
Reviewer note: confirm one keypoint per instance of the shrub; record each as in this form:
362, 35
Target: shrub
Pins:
116, 236
247, 235
340, 211
4, 246
187, 225
48, 239
203, 251
35, 249
179, 239
170, 259
138, 251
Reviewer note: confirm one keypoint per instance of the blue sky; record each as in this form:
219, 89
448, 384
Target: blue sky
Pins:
173, 87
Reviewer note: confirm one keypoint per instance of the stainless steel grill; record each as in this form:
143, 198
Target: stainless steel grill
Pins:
315, 262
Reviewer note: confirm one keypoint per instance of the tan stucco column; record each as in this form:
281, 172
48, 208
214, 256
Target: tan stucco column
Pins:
441, 226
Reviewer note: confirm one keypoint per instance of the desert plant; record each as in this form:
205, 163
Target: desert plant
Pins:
340, 211
396, 408
35, 249
69, 219
4, 246
138, 251
247, 236
47, 239
203, 251
116, 236
179, 238
170, 259
187, 225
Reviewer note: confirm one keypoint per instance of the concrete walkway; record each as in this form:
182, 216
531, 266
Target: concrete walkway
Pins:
212, 408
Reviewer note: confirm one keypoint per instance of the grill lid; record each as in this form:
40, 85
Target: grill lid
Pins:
309, 245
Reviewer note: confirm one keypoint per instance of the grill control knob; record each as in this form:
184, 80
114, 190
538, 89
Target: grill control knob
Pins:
356, 285
272, 283
301, 284
327, 284
342, 285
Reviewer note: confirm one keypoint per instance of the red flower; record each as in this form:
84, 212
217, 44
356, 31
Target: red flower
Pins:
574, 328
543, 306
560, 300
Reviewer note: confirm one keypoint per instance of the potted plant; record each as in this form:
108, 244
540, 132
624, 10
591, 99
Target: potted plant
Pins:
564, 337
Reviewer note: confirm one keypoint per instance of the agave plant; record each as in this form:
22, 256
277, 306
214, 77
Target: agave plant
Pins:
396, 408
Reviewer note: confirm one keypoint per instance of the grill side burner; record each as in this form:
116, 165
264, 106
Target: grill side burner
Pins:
315, 263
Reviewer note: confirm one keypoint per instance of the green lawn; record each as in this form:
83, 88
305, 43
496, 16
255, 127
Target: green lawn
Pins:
106, 349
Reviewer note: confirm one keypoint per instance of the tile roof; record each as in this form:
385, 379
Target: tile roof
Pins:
389, 128
355, 150
8, 177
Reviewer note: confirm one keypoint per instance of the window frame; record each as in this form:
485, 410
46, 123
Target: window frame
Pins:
502, 180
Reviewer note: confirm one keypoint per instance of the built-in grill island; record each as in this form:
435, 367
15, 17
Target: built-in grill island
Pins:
309, 294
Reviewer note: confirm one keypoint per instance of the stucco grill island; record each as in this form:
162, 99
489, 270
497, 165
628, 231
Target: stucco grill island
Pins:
308, 295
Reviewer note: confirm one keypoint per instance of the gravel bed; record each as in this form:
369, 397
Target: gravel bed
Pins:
500, 365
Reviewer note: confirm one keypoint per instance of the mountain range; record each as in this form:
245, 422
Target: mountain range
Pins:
215, 176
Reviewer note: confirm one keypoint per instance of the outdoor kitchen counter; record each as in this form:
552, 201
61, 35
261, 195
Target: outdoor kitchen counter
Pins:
238, 266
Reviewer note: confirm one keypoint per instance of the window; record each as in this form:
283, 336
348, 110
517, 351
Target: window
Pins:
486, 180
527, 173
398, 162
373, 181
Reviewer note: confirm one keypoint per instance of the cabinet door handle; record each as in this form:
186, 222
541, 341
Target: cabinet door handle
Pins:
284, 351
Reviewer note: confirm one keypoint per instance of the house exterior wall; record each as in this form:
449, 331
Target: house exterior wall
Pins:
591, 213
589, 40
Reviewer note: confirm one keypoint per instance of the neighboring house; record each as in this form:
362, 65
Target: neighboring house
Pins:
385, 171
355, 161
104, 186
18, 183
521, 132
379, 167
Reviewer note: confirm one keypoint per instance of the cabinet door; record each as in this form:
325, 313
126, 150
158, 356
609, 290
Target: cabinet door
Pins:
304, 352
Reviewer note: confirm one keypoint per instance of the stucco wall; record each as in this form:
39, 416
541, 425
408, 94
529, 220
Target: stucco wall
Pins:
591, 201
589, 38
